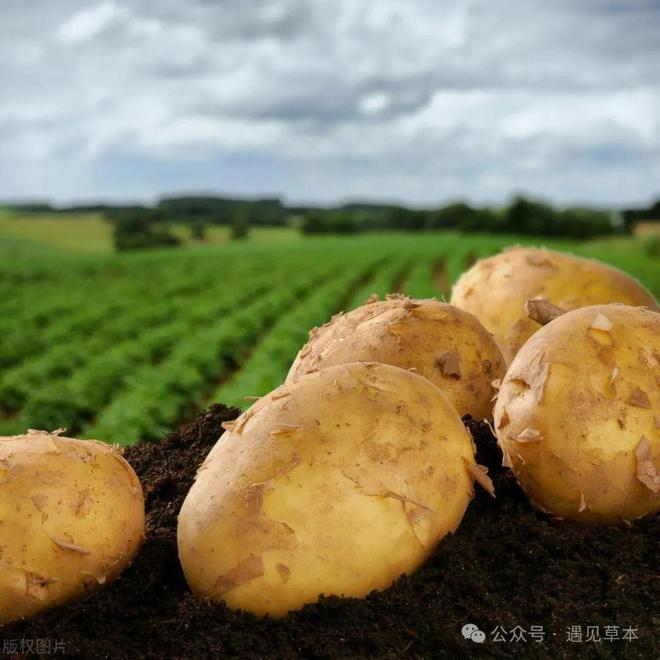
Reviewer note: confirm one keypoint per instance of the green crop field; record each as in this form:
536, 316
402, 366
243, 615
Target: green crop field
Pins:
122, 347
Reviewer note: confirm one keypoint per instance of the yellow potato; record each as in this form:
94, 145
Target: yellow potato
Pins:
578, 414
496, 289
71, 519
336, 483
440, 342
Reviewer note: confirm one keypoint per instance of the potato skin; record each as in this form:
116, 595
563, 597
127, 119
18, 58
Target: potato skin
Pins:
496, 289
336, 483
439, 341
578, 415
72, 518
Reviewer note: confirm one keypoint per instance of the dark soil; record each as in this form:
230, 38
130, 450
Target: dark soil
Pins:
506, 566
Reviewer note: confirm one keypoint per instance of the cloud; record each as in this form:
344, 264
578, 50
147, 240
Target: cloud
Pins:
92, 22
405, 99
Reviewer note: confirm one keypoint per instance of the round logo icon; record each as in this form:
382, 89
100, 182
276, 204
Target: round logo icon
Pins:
472, 632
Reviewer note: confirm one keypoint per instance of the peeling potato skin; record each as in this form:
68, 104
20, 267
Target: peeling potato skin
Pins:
496, 289
71, 519
446, 345
582, 441
336, 483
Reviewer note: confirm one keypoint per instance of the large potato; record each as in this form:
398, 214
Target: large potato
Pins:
578, 414
496, 289
71, 519
336, 483
441, 342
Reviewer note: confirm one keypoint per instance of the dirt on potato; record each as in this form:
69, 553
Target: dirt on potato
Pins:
522, 578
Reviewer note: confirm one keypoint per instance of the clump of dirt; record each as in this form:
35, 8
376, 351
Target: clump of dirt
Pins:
506, 566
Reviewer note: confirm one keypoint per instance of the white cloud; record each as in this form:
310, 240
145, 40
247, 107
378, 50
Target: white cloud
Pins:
105, 18
91, 22
373, 104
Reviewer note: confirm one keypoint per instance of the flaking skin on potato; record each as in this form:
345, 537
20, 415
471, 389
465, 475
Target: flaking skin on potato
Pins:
496, 290
578, 415
71, 519
441, 342
336, 483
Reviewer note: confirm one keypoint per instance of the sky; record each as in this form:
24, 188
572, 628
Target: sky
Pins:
413, 101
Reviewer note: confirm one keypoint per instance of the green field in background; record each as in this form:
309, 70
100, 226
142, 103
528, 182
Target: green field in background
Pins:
89, 233
82, 232
123, 347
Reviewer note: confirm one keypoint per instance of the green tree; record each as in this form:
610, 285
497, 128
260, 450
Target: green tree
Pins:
453, 216
341, 222
312, 223
134, 229
527, 216
240, 224
398, 217
198, 230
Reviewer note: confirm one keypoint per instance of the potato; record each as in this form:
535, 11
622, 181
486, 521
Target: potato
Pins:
336, 483
71, 519
440, 342
578, 414
496, 289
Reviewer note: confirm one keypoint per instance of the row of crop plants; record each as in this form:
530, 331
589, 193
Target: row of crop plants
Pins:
73, 398
160, 395
268, 364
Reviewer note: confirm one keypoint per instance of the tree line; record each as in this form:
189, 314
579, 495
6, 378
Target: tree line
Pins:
522, 216
151, 226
